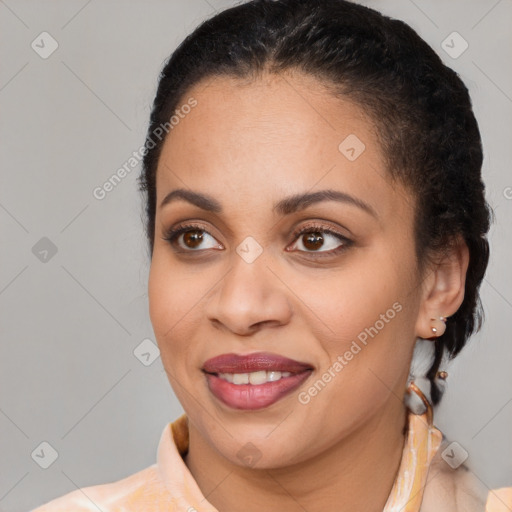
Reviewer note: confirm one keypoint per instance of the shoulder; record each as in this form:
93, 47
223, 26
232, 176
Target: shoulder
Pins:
139, 489
499, 500
459, 490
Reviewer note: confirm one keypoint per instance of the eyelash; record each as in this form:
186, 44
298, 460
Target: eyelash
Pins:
172, 234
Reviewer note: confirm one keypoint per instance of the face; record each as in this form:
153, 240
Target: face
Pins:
283, 322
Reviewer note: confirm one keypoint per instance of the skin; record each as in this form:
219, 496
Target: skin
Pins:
248, 144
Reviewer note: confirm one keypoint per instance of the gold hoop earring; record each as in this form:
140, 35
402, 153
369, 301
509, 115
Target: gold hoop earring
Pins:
412, 388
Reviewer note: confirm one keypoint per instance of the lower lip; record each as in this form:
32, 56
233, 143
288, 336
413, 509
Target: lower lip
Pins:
251, 397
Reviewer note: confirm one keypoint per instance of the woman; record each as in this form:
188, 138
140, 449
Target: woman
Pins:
317, 229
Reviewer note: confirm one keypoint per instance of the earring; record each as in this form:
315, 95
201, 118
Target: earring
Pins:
440, 325
418, 393
412, 388
419, 388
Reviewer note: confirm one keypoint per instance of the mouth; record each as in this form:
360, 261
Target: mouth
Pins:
253, 381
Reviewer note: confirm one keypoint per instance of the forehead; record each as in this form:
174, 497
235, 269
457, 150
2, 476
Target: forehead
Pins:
260, 139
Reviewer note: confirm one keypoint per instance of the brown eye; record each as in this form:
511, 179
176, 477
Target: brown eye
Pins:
192, 238
313, 238
312, 241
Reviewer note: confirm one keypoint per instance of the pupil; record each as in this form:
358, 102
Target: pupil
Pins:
313, 239
195, 238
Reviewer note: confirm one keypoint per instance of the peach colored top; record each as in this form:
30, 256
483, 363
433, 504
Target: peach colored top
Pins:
168, 485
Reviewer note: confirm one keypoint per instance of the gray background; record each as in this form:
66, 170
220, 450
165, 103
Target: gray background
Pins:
71, 321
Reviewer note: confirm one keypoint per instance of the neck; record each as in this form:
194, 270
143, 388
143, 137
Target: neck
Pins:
356, 474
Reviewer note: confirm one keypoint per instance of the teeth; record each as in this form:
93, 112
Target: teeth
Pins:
258, 377
241, 378
272, 376
254, 378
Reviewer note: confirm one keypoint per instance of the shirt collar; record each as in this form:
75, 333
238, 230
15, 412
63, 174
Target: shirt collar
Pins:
421, 444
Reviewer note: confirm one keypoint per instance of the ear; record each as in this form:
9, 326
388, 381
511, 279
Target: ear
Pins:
443, 288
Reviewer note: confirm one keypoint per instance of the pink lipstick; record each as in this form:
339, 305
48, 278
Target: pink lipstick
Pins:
253, 381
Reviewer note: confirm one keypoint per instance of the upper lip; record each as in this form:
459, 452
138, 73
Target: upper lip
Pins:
258, 361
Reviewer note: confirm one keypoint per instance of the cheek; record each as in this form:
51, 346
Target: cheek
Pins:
368, 350
363, 324
357, 301
362, 368
173, 300
172, 297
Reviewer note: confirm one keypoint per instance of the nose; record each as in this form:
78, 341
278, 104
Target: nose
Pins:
248, 298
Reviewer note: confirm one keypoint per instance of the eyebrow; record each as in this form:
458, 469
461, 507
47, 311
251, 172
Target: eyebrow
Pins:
286, 206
